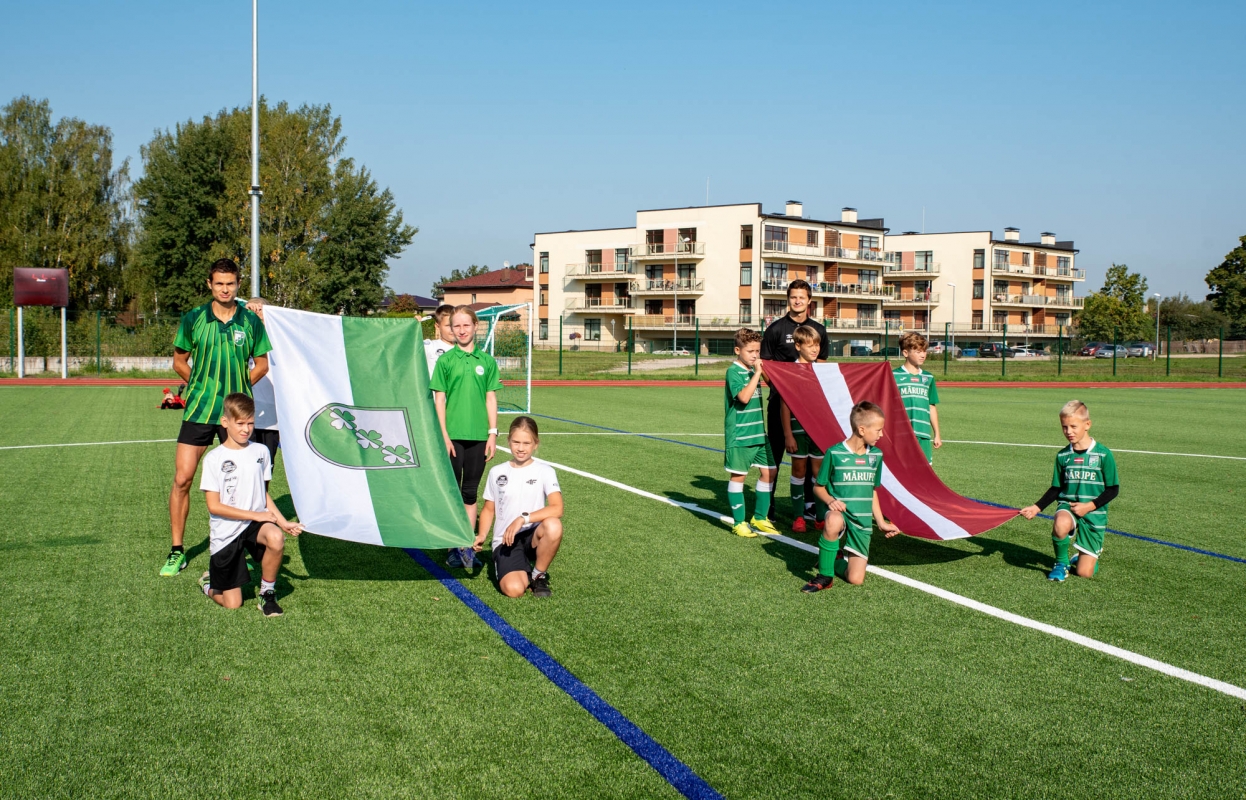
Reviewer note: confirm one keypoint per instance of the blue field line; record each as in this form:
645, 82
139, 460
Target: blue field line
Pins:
1139, 537
675, 772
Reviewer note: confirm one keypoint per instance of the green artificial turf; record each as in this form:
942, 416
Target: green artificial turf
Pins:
378, 683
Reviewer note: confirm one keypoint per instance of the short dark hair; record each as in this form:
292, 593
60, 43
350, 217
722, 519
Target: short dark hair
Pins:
443, 311
746, 336
238, 406
222, 265
800, 283
861, 412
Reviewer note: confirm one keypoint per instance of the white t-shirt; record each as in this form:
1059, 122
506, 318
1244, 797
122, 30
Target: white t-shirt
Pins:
238, 477
515, 490
433, 350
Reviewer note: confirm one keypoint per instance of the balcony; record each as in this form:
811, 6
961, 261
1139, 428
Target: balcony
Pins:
913, 299
600, 304
1037, 300
1017, 329
819, 253
726, 322
825, 289
897, 270
857, 323
1067, 273
597, 271
681, 286
656, 251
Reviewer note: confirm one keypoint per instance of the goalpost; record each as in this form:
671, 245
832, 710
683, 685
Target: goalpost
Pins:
506, 333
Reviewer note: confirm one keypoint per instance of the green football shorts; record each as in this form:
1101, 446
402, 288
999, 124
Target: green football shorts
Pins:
738, 460
805, 448
1088, 530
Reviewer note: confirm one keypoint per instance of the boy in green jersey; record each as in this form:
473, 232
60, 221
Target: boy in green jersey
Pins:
848, 484
805, 454
917, 390
1084, 482
745, 432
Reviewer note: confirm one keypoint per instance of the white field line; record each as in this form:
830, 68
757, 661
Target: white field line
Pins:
82, 444
946, 441
998, 613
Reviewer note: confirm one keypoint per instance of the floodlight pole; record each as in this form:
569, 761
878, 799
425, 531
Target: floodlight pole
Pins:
255, 149
1155, 352
64, 348
21, 346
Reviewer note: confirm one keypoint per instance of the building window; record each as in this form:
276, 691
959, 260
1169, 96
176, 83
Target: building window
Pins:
746, 312
1001, 260
979, 259
620, 258
999, 318
687, 274
919, 319
776, 238
592, 330
977, 290
1064, 264
473, 297
654, 240
811, 238
1025, 259
868, 276
1040, 259
687, 310
811, 274
1062, 319
544, 263
746, 237
746, 273
892, 318
592, 259
869, 243
1000, 290
544, 297
976, 321
773, 309
653, 272
542, 329
867, 315
923, 260
774, 275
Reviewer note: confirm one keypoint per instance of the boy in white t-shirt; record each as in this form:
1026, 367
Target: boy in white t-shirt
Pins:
244, 518
523, 505
436, 348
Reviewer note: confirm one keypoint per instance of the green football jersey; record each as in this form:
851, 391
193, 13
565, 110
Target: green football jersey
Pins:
918, 393
219, 352
852, 479
1082, 476
744, 424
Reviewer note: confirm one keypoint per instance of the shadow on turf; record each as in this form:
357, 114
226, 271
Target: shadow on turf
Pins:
898, 552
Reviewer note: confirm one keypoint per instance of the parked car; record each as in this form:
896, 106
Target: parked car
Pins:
891, 352
937, 348
990, 350
861, 350
1106, 351
1141, 350
1092, 348
1024, 352
677, 352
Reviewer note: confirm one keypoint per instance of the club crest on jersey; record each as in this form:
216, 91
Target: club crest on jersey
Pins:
1094, 461
502, 481
362, 438
228, 467
240, 336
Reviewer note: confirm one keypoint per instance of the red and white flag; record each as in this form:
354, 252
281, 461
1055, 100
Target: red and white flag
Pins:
821, 396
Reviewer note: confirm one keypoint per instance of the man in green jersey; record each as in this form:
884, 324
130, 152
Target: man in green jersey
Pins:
917, 390
214, 344
745, 432
1084, 482
848, 484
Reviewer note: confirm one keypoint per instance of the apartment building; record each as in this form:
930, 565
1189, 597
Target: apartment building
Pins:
704, 271
985, 287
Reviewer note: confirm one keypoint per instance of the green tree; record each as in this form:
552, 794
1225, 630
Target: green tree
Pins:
1117, 309
1189, 319
62, 205
457, 275
1228, 286
327, 230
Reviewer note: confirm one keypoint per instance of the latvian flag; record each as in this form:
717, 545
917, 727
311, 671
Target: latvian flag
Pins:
359, 435
821, 396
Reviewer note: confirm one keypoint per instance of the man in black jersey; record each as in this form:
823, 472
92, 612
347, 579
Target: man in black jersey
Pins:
777, 345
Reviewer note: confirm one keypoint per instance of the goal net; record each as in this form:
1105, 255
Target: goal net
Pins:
505, 332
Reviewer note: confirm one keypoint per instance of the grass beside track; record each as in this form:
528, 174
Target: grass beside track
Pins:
377, 683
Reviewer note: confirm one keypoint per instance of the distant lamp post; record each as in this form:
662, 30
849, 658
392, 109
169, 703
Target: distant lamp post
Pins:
1155, 352
952, 286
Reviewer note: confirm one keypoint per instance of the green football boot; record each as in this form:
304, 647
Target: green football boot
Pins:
175, 563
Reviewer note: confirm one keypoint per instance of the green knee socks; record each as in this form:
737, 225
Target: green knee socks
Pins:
1061, 546
827, 551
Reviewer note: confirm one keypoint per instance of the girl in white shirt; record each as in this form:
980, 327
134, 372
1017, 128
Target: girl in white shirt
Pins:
523, 505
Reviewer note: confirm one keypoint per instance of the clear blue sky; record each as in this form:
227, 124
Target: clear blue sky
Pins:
1121, 126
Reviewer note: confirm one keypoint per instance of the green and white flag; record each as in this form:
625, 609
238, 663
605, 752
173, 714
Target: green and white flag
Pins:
359, 435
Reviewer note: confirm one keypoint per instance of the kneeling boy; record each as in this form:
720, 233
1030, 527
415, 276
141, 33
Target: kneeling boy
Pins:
1084, 481
244, 518
848, 484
